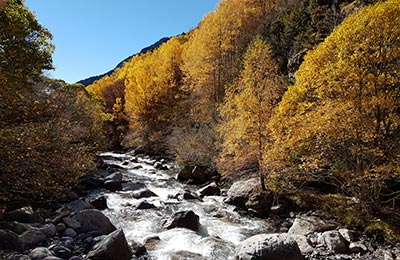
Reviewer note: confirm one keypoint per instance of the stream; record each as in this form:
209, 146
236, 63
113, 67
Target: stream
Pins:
221, 230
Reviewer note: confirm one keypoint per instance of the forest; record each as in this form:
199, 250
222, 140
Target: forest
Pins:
303, 94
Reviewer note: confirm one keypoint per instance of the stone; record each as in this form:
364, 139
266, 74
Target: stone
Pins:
183, 219
49, 230
60, 227
144, 193
209, 190
76, 258
195, 175
160, 166
150, 243
40, 253
145, 205
114, 246
69, 232
32, 237
52, 258
113, 185
304, 244
62, 252
99, 203
14, 226
78, 205
114, 176
247, 195
304, 225
10, 241
18, 257
357, 247
71, 223
137, 248
348, 235
92, 182
186, 195
23, 215
93, 220
133, 186
333, 241
268, 246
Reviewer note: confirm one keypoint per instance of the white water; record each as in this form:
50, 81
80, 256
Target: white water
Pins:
221, 227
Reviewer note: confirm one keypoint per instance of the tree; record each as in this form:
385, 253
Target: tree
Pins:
340, 122
248, 106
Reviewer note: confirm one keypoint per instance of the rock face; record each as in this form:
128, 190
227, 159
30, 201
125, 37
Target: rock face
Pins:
247, 195
92, 220
10, 241
268, 247
112, 247
209, 190
183, 219
195, 175
304, 225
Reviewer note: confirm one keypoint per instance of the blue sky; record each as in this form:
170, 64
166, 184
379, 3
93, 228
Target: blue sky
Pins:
93, 36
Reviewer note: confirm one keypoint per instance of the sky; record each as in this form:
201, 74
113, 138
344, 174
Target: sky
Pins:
92, 36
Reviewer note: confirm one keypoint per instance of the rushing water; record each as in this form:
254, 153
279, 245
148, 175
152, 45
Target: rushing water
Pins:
221, 229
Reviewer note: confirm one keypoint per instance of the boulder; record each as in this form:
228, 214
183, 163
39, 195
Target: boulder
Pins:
209, 190
10, 241
183, 219
357, 247
112, 247
62, 252
52, 258
49, 230
137, 248
93, 220
268, 246
196, 175
16, 227
32, 237
145, 205
186, 195
334, 241
150, 243
160, 166
144, 193
40, 253
304, 225
113, 185
247, 195
132, 186
348, 235
23, 215
69, 232
92, 182
304, 244
78, 205
99, 203
71, 223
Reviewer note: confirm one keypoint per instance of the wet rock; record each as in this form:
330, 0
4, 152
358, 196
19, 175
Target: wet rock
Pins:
183, 219
69, 232
93, 220
151, 242
78, 205
186, 195
145, 205
40, 253
114, 246
209, 190
113, 185
137, 248
186, 255
10, 241
304, 225
144, 193
52, 258
247, 195
49, 230
76, 258
62, 252
278, 209
23, 215
32, 237
333, 241
99, 203
269, 246
195, 175
132, 186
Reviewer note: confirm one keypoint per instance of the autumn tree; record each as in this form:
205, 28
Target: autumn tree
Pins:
248, 106
340, 122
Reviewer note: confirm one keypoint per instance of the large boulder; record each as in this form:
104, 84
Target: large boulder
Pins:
248, 195
99, 203
305, 225
112, 247
268, 247
10, 241
78, 205
183, 219
209, 190
196, 175
94, 221
144, 193
32, 237
24, 215
113, 182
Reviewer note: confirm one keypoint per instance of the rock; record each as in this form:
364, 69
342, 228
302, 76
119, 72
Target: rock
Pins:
68, 242
99, 203
357, 247
137, 248
24, 215
144, 193
348, 235
209, 190
195, 175
186, 255
132, 186
69, 232
113, 185
151, 242
72, 223
304, 244
10, 241
112, 247
304, 225
278, 209
32, 237
93, 220
78, 205
62, 252
333, 241
92, 182
247, 195
269, 246
186, 195
60, 227
16, 227
52, 258
40, 253
183, 219
76, 258
160, 166
18, 257
114, 176
145, 205
49, 230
